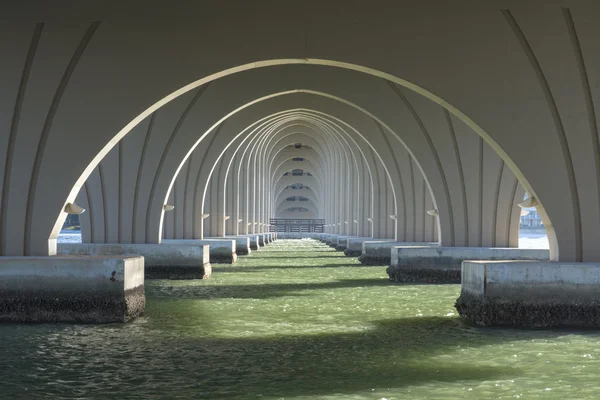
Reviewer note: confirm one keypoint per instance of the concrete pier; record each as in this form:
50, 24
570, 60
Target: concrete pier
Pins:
332, 238
342, 244
338, 243
378, 252
71, 289
321, 237
242, 245
162, 261
530, 294
354, 245
428, 264
254, 242
222, 250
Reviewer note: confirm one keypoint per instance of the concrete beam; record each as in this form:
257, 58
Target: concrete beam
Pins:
162, 261
530, 294
443, 264
71, 289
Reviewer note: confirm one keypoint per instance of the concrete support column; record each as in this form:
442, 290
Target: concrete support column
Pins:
71, 289
530, 294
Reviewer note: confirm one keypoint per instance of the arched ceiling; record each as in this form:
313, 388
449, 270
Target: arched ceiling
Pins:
381, 134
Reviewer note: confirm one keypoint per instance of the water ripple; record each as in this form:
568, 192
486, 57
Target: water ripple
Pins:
277, 326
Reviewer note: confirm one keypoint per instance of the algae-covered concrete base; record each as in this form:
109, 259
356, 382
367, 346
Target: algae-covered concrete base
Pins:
222, 250
530, 294
328, 240
378, 252
162, 261
242, 245
426, 264
339, 243
254, 242
71, 289
354, 245
322, 237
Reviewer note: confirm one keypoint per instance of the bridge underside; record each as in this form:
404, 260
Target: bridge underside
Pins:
399, 122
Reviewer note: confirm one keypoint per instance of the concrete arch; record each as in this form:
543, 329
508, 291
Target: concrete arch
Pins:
285, 159
289, 166
309, 181
194, 97
305, 192
309, 214
367, 205
285, 205
348, 182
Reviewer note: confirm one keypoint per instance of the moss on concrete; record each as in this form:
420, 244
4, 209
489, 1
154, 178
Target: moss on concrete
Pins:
490, 312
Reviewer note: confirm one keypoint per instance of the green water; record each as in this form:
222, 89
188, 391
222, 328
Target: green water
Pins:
296, 320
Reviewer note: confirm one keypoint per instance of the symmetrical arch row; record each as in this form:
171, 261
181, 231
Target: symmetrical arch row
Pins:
423, 227
66, 95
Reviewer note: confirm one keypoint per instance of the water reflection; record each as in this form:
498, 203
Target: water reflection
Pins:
85, 360
298, 332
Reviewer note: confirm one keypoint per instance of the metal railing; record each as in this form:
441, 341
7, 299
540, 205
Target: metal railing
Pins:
297, 225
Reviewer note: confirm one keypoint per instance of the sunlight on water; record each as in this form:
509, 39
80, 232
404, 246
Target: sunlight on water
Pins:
69, 236
297, 320
533, 239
